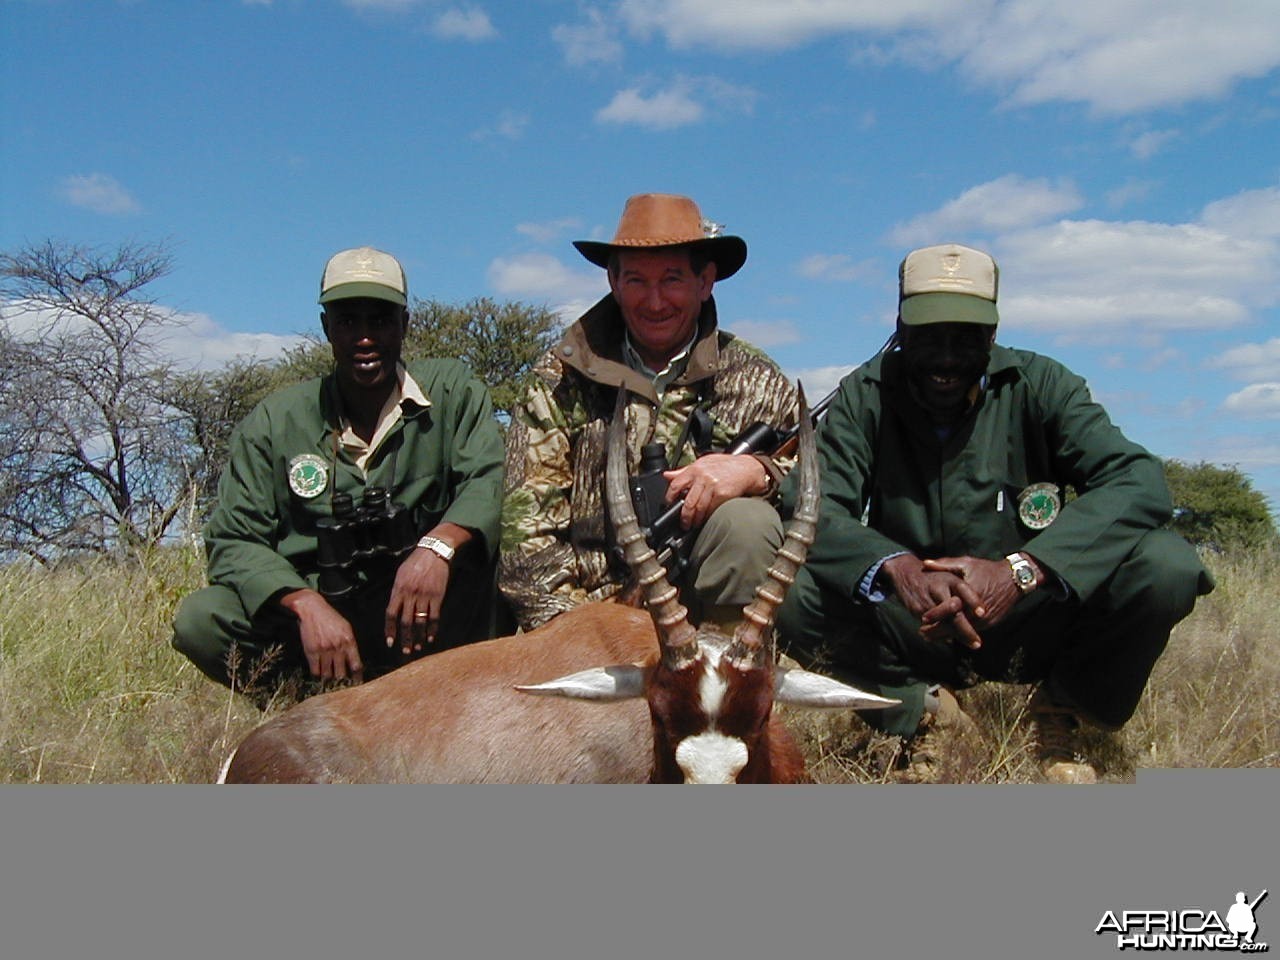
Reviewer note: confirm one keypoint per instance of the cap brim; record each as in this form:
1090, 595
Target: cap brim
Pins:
728, 253
345, 291
925, 308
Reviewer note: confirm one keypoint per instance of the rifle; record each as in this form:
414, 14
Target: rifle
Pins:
661, 527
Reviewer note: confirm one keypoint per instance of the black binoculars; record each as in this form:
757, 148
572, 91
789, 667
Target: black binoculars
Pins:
360, 545
659, 521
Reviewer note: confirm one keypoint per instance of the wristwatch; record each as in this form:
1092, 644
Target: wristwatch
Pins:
438, 547
1024, 574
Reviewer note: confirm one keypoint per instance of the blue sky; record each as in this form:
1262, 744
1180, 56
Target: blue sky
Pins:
1120, 159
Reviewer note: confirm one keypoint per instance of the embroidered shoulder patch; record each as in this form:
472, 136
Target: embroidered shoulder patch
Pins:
1038, 505
308, 475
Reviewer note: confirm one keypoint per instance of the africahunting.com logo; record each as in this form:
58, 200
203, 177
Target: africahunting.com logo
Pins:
1188, 928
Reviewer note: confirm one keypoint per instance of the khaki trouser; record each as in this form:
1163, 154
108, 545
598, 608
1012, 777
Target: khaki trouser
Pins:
729, 559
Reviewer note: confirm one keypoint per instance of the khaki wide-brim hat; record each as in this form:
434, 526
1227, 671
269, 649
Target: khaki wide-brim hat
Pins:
948, 283
656, 220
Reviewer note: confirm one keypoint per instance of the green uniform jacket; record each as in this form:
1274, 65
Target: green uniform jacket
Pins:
443, 461
1033, 422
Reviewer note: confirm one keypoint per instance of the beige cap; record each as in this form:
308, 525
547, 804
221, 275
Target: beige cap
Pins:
364, 272
948, 284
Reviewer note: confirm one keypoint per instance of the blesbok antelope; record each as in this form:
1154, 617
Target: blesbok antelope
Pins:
471, 715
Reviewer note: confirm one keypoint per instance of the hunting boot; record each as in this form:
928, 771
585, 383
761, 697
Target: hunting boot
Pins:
923, 757
1056, 731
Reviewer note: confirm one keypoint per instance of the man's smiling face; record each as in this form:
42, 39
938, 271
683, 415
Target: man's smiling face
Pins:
366, 335
943, 362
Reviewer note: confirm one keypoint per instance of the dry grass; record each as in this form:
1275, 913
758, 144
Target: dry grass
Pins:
91, 692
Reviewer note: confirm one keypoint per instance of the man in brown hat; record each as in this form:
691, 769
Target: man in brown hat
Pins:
971, 562
690, 385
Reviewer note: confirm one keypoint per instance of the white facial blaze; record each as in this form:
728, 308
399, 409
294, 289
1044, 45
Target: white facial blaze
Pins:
711, 757
711, 689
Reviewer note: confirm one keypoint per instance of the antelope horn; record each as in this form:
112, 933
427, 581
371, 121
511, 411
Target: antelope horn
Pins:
676, 636
758, 615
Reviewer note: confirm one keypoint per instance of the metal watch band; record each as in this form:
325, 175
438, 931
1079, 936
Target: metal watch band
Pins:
438, 547
1024, 574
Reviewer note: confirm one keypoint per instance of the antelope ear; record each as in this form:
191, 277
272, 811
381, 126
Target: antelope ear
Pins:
623, 681
800, 688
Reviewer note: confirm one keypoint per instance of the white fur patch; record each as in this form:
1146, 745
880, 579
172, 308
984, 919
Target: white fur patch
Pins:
712, 688
711, 758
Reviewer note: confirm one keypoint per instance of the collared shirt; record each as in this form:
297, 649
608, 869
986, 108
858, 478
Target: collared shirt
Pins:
404, 399
661, 378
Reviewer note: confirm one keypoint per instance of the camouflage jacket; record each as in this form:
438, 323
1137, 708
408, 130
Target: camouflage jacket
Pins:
554, 549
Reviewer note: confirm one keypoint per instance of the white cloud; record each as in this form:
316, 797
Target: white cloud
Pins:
1113, 281
595, 41
97, 192
769, 25
1129, 192
1250, 361
1253, 213
1258, 401
471, 23
664, 110
684, 101
549, 230
1106, 281
765, 334
1146, 145
192, 341
819, 381
1007, 203
542, 278
201, 343
1115, 57
835, 267
391, 6
510, 124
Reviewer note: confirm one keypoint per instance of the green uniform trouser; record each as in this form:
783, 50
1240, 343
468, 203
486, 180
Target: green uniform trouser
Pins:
729, 559
1095, 656
212, 622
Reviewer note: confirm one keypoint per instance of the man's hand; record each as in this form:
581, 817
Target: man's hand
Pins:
328, 641
991, 580
712, 480
413, 612
948, 607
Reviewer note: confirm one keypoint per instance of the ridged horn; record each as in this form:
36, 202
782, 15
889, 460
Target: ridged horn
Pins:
676, 636
749, 639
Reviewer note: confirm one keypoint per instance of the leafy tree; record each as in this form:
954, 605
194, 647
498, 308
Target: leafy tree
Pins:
90, 459
499, 341
1217, 506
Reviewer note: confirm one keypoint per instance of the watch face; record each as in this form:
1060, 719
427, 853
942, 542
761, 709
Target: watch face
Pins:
1026, 576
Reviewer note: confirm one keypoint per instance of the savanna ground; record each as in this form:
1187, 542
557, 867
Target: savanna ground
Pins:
91, 692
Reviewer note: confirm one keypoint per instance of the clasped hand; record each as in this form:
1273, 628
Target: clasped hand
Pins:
953, 596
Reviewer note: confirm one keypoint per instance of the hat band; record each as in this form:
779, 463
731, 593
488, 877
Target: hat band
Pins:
924, 308
379, 291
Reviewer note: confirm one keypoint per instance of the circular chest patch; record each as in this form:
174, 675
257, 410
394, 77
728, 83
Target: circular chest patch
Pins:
1038, 505
308, 475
